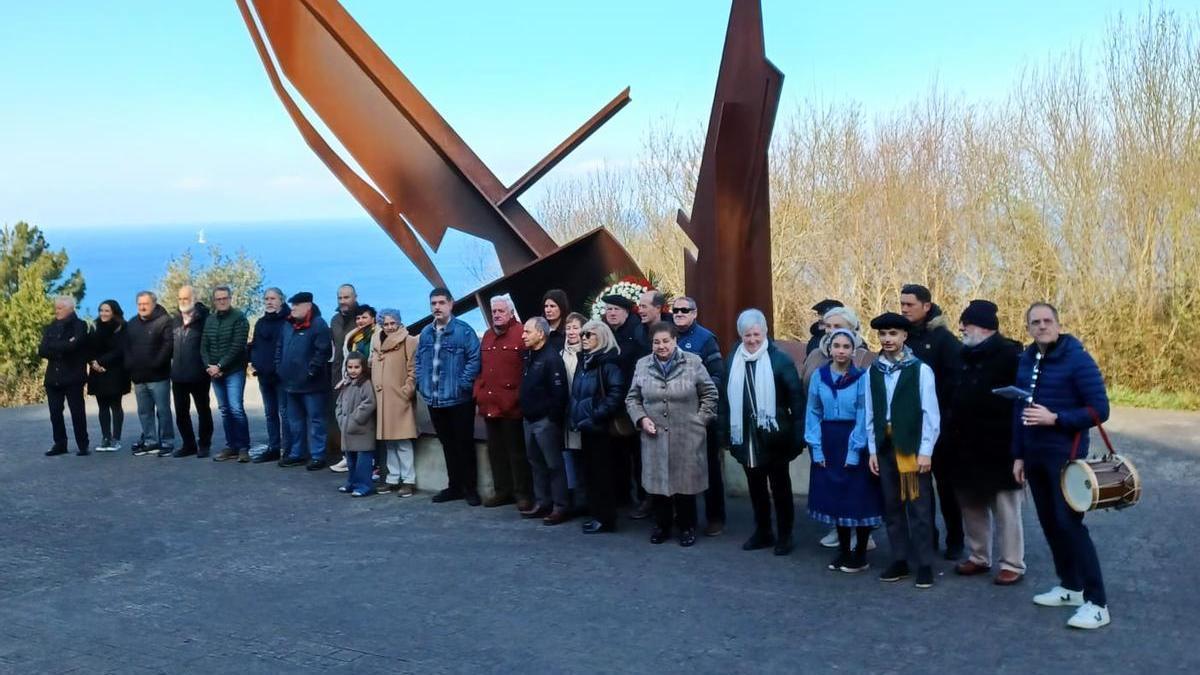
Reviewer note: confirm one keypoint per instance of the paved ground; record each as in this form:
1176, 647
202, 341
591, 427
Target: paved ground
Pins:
113, 563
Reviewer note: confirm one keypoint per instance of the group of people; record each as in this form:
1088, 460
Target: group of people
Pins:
585, 416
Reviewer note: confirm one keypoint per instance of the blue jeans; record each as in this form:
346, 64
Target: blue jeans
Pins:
154, 412
274, 399
360, 464
231, 391
306, 420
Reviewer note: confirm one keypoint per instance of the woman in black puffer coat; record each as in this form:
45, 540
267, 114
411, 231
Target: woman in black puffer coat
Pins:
108, 380
597, 396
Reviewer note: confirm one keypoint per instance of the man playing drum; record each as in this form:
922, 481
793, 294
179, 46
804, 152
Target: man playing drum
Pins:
1050, 428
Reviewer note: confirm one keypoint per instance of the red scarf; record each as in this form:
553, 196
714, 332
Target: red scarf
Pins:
301, 324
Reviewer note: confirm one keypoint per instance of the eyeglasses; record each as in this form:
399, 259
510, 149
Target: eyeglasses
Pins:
681, 310
587, 334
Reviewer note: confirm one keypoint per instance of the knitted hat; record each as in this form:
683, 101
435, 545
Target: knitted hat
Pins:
981, 313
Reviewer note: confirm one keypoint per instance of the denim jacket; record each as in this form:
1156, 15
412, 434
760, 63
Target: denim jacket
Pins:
446, 374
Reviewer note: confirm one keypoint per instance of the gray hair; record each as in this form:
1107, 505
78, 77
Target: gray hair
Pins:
507, 301
278, 292
691, 302
749, 319
394, 313
540, 323
847, 314
605, 342
67, 300
147, 294
225, 288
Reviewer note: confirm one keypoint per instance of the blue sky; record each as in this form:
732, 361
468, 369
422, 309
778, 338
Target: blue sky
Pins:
143, 111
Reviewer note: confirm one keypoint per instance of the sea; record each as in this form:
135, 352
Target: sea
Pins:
310, 255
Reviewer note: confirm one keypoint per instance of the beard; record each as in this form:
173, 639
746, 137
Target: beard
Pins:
187, 309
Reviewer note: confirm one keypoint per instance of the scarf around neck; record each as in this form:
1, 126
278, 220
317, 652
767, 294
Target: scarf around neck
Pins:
763, 394
884, 365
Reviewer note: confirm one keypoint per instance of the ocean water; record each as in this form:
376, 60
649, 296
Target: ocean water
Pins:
315, 256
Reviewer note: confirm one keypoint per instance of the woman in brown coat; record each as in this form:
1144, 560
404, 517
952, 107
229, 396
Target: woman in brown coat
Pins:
671, 400
393, 358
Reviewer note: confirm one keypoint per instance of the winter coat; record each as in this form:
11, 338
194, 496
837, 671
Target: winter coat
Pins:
355, 411
862, 358
700, 341
267, 332
65, 347
106, 346
501, 359
457, 367
302, 355
934, 344
681, 403
1069, 382
557, 339
187, 362
787, 442
544, 391
814, 338
224, 341
596, 393
634, 344
393, 372
976, 441
339, 325
148, 344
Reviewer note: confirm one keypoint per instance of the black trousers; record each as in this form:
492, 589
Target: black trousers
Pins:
511, 474
112, 417
714, 496
1075, 559
947, 499
455, 428
677, 509
184, 393
780, 482
601, 463
72, 395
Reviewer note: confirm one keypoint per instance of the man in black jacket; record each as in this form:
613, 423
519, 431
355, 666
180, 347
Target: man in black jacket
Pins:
543, 401
148, 359
64, 346
634, 343
933, 343
189, 378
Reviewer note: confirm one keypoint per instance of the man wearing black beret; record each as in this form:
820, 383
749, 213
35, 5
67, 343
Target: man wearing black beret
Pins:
302, 364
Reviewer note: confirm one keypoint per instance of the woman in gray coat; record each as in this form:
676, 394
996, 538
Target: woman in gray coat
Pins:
671, 400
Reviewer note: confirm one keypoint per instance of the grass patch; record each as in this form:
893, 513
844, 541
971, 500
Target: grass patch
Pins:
1155, 398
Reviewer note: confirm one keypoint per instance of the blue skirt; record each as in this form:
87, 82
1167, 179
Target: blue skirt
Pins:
848, 496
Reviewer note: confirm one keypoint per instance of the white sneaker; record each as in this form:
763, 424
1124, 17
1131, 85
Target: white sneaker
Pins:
102, 448
830, 540
1059, 597
340, 467
1089, 616
115, 447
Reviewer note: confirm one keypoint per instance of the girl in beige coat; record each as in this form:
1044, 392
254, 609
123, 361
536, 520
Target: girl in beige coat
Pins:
393, 359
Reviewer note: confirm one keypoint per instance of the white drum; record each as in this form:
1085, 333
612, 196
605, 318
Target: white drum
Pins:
1108, 483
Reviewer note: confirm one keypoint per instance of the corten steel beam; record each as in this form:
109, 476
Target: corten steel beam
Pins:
424, 174
730, 223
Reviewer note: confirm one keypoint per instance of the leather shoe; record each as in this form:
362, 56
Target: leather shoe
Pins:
524, 505
784, 546
472, 499
596, 527
316, 465
687, 537
659, 535
291, 461
556, 518
446, 495
536, 512
1008, 578
268, 456
714, 528
52, 452
498, 500
642, 511
184, 451
970, 568
758, 540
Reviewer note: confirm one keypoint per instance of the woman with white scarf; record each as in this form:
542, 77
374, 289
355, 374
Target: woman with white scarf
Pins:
572, 345
762, 417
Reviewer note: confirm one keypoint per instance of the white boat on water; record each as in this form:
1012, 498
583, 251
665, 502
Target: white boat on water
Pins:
200, 239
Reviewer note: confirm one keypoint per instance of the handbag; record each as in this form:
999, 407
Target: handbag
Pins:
620, 425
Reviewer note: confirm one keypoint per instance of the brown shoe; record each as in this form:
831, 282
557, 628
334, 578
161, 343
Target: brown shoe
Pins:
523, 505
226, 454
556, 517
536, 512
243, 456
714, 528
970, 568
1007, 578
498, 500
405, 490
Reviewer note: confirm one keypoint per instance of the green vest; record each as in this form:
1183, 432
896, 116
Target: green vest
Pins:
906, 415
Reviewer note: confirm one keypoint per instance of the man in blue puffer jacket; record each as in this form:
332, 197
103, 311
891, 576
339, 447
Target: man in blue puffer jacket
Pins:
302, 358
447, 365
1050, 428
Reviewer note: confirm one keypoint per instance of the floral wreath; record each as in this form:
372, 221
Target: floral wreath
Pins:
629, 286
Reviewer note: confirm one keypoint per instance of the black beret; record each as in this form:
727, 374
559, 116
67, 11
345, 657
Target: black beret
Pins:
981, 313
826, 305
890, 320
302, 296
618, 300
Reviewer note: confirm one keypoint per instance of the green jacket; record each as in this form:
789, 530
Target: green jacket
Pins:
224, 341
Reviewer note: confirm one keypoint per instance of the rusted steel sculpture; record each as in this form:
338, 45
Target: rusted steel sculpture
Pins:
730, 223
425, 177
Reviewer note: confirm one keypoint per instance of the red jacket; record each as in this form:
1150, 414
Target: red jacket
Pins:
502, 357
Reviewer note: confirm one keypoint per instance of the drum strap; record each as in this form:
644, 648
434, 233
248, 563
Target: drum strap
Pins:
1103, 434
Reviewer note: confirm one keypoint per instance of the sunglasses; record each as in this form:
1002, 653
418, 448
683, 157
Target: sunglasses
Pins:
586, 334
681, 310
